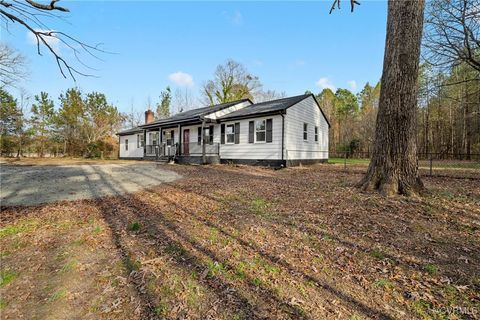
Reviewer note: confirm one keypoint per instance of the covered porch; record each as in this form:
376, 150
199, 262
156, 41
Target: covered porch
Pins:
183, 144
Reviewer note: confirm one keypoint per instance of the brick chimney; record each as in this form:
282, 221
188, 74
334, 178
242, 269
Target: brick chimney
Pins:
149, 116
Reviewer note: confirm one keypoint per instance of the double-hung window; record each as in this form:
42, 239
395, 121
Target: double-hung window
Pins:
260, 131
140, 140
305, 131
230, 133
316, 134
153, 138
126, 144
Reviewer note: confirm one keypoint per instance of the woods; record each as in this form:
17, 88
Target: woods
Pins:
448, 106
82, 125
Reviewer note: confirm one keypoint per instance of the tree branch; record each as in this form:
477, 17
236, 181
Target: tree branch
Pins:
337, 4
47, 7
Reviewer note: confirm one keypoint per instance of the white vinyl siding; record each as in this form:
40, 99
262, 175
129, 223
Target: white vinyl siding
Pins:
132, 151
253, 151
296, 148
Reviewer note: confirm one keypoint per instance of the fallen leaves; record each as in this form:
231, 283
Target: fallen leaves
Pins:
250, 241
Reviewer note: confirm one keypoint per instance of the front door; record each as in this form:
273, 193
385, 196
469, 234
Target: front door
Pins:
186, 141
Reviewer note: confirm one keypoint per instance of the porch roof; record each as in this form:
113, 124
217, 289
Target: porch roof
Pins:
129, 131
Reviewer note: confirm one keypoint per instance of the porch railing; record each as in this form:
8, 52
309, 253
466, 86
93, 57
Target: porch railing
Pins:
161, 150
195, 149
185, 149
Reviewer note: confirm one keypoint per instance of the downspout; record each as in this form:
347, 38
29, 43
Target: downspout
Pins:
204, 157
284, 162
179, 151
144, 143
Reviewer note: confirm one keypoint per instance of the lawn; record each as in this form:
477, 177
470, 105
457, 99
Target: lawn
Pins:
424, 164
230, 242
349, 161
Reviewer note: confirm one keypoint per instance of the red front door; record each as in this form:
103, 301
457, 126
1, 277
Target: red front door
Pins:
186, 141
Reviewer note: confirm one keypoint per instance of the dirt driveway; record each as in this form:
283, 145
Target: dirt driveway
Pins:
29, 185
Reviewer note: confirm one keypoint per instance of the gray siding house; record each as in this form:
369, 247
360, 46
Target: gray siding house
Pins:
281, 132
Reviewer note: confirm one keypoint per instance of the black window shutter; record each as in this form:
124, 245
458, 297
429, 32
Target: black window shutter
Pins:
237, 132
211, 134
199, 135
269, 130
251, 131
222, 137
172, 134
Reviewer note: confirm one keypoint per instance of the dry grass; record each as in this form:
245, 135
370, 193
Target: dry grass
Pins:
243, 243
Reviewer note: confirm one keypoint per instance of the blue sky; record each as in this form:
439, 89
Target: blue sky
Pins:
290, 46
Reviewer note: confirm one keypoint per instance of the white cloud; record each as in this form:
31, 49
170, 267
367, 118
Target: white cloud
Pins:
236, 18
181, 79
353, 85
53, 42
299, 63
325, 83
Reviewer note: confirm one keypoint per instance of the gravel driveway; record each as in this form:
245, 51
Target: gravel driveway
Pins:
29, 185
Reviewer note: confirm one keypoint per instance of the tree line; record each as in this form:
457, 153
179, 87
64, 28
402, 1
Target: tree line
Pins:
83, 125
448, 114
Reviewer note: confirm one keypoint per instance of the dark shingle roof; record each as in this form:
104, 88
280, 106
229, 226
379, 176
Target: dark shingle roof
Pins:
265, 107
194, 114
129, 131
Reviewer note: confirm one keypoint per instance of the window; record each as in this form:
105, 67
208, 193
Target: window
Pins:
140, 140
316, 134
230, 133
153, 138
126, 144
305, 131
260, 131
206, 135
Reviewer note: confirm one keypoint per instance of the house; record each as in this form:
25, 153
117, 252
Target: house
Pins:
283, 132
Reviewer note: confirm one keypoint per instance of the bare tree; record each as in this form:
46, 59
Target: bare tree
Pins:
231, 82
268, 95
452, 33
182, 101
30, 15
12, 66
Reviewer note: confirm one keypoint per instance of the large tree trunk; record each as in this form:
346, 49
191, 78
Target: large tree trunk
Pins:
394, 165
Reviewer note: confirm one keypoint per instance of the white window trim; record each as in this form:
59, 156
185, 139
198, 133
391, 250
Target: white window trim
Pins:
255, 131
226, 134
305, 131
140, 140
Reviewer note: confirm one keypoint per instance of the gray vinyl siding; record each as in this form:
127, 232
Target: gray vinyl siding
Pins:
133, 151
254, 151
305, 111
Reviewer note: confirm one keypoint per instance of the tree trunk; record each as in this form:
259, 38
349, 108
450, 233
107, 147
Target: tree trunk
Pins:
394, 165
